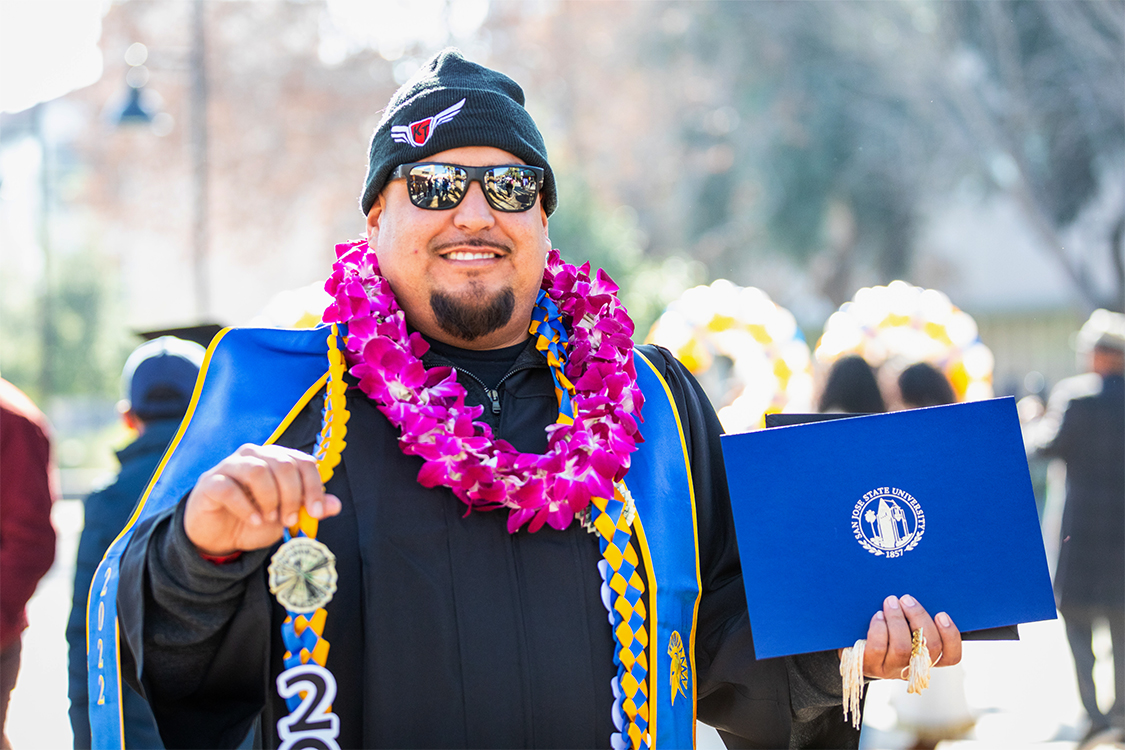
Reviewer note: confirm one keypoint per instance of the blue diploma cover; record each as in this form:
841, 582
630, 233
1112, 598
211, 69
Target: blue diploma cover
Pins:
834, 516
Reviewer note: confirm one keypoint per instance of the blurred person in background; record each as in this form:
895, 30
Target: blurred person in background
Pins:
851, 388
27, 539
1084, 425
922, 385
157, 382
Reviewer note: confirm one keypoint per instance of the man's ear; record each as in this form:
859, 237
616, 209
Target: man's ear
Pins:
132, 421
546, 230
374, 217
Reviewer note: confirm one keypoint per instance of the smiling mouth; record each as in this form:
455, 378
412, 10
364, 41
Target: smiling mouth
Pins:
471, 255
471, 248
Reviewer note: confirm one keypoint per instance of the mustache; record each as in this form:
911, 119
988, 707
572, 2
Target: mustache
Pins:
487, 242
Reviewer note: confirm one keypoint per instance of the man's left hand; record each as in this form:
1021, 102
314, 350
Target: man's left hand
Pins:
889, 638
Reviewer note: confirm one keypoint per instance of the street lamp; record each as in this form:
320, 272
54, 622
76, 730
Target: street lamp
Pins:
134, 112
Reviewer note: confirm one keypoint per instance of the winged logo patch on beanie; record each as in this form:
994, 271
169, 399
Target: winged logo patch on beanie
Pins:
418, 133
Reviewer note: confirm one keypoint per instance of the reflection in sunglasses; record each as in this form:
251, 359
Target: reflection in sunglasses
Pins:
442, 186
514, 189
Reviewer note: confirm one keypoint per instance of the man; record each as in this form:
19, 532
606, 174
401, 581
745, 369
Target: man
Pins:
158, 380
1085, 426
27, 539
478, 629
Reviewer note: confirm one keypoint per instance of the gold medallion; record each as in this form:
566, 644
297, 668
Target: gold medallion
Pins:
303, 574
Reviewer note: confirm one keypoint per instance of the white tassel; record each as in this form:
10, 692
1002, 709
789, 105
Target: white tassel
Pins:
918, 673
851, 670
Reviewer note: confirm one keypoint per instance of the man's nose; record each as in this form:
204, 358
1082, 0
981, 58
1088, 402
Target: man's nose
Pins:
473, 212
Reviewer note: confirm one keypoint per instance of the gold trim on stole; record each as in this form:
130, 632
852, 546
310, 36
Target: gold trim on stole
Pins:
653, 671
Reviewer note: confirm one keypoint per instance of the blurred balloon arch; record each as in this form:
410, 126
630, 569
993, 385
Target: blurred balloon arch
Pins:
746, 351
903, 324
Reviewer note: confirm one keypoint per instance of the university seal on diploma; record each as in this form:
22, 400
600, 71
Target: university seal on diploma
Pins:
888, 521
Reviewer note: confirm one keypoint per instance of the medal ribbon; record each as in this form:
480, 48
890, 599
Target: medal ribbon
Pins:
302, 633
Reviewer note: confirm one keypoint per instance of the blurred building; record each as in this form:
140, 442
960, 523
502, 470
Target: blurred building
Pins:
984, 254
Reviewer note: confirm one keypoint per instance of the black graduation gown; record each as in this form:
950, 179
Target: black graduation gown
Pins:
446, 631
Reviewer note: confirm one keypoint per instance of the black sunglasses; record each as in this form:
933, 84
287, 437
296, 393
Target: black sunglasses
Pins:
507, 187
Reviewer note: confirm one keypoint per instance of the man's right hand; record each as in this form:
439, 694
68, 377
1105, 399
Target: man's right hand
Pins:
246, 501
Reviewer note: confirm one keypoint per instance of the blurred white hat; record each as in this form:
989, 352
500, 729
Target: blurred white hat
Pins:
1104, 330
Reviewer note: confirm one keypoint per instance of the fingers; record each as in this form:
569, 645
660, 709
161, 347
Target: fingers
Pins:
919, 618
889, 638
898, 636
877, 637
254, 474
876, 649
288, 475
312, 491
245, 501
884, 640
226, 493
279, 480
221, 516
950, 640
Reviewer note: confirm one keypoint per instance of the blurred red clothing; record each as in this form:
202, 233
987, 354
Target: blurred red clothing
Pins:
27, 489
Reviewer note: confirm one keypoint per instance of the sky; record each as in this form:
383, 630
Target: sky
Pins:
48, 48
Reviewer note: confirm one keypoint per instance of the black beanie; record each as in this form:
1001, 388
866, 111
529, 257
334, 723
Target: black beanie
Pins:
449, 103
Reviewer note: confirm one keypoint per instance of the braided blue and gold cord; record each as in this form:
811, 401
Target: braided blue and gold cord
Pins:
303, 633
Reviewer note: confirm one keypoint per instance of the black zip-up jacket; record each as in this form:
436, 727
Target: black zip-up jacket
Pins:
446, 630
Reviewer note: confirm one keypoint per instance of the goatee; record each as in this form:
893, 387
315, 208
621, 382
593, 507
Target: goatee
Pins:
472, 316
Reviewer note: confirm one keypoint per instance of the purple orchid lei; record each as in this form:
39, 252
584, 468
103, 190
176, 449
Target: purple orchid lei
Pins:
583, 459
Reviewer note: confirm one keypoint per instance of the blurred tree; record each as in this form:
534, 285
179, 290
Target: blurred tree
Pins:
287, 133
817, 130
736, 128
1039, 90
89, 342
585, 229
839, 125
21, 344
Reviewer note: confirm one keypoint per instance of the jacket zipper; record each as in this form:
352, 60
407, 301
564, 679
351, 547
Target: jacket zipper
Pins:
494, 393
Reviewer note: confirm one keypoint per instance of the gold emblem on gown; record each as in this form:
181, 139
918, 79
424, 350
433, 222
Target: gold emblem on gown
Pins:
680, 668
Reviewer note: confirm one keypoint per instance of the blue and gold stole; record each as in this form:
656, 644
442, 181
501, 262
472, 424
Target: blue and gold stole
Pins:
664, 526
